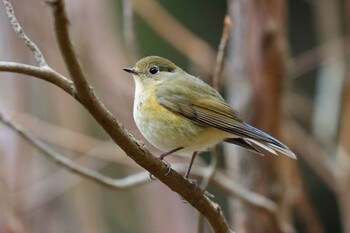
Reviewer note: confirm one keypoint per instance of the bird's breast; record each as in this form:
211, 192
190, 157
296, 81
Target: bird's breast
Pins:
167, 130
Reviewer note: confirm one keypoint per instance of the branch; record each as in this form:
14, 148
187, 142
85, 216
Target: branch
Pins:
221, 52
44, 73
22, 36
117, 184
66, 48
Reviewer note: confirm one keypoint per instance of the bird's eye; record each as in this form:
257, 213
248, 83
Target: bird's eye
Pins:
154, 70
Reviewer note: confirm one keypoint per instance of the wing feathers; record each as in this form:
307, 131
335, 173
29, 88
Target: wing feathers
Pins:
214, 112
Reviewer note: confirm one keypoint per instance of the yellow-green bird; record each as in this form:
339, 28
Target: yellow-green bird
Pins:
178, 112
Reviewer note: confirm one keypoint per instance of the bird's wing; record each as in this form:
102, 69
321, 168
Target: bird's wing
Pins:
215, 112
209, 112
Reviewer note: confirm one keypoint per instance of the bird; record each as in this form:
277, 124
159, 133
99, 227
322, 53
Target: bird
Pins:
180, 113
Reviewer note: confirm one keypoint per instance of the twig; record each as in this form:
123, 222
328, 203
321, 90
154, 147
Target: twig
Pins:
221, 52
44, 73
83, 144
70, 59
117, 184
22, 36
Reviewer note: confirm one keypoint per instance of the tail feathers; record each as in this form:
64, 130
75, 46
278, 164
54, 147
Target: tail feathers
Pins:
248, 143
243, 143
269, 143
273, 148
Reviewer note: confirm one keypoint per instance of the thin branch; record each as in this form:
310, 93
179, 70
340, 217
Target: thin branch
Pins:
44, 73
22, 36
67, 51
117, 184
221, 52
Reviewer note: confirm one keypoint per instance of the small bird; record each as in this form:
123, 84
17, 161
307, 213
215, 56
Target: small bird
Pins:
178, 112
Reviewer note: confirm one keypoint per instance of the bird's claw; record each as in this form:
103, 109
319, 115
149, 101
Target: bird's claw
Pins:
168, 166
152, 177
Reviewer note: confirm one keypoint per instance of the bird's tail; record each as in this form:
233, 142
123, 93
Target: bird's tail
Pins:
265, 141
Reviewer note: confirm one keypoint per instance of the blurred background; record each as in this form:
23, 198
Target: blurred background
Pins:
286, 71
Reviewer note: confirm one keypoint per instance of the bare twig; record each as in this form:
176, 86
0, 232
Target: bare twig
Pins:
221, 52
44, 73
83, 144
128, 182
67, 51
21, 35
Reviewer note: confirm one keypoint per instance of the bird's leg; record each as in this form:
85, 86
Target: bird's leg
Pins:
162, 156
187, 174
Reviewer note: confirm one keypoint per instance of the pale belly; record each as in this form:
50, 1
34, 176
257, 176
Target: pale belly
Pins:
167, 130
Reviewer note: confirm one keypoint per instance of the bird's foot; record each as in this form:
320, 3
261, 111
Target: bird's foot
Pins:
152, 177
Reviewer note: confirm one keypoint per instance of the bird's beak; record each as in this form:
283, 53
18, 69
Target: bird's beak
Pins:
130, 70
